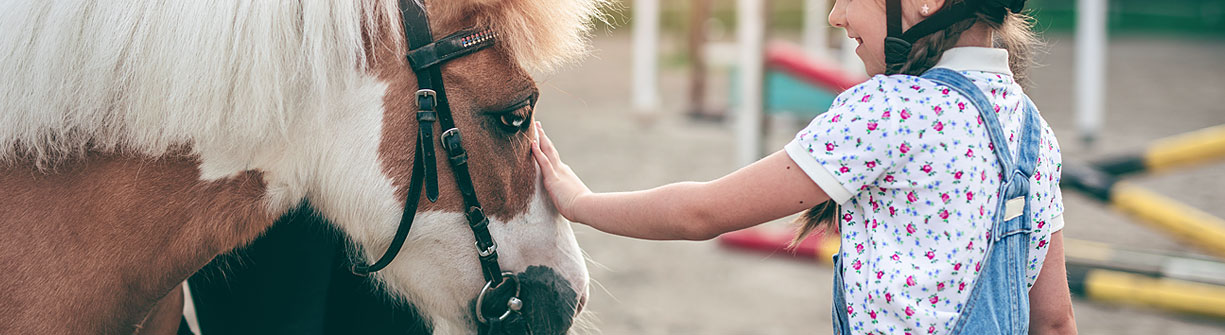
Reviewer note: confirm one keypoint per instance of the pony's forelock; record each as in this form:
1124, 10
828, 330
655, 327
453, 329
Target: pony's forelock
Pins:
540, 34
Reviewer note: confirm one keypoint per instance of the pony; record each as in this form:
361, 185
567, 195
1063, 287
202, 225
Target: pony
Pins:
139, 139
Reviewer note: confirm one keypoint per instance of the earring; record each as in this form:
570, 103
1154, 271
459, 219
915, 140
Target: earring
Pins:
926, 9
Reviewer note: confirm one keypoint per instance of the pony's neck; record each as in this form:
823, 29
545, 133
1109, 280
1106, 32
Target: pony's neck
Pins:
95, 244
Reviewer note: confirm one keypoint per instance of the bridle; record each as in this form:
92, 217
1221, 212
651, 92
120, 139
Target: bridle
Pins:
498, 305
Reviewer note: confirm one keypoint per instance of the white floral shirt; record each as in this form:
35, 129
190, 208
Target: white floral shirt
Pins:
912, 167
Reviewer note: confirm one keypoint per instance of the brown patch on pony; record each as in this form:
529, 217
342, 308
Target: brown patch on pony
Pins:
500, 163
91, 247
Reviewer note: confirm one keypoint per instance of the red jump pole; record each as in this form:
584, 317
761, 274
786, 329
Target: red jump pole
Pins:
791, 59
816, 247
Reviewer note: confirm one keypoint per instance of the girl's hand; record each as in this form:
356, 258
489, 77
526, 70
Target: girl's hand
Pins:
563, 185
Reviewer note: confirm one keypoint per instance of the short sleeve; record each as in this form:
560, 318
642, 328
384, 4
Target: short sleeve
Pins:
848, 147
1052, 163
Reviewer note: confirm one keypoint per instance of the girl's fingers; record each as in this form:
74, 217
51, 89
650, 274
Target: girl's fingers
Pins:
546, 145
546, 167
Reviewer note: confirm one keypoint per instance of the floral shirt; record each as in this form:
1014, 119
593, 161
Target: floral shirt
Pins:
911, 166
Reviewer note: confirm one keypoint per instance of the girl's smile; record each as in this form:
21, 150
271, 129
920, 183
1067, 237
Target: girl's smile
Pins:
864, 21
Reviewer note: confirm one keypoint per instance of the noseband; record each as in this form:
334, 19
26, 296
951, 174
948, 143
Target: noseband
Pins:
497, 305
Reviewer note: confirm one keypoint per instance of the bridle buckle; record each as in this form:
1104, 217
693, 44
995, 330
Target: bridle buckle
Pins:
451, 140
427, 99
492, 249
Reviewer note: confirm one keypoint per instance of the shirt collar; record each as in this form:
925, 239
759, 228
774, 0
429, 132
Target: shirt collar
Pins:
975, 59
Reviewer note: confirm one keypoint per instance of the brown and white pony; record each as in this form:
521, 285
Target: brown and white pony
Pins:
139, 139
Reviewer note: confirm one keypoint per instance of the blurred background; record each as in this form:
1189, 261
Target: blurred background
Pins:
682, 90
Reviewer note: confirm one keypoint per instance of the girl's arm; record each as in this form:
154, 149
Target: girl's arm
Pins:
1050, 303
768, 189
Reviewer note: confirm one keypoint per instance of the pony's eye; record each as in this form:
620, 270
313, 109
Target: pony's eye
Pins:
516, 118
512, 120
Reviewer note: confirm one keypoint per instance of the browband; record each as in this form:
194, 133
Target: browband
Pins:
452, 46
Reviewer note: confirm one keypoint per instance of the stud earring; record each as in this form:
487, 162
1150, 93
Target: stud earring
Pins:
926, 9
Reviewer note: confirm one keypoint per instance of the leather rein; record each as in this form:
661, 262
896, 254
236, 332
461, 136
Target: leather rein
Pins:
497, 305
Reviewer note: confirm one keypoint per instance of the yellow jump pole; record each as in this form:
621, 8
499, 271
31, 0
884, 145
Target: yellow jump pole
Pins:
1182, 221
1164, 293
1179, 283
1185, 222
1196, 147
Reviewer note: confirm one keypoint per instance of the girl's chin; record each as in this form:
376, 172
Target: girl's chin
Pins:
872, 65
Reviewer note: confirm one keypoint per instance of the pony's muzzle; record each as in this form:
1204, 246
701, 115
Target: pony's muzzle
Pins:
550, 304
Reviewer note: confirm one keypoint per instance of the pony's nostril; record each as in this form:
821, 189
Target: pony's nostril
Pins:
549, 300
582, 301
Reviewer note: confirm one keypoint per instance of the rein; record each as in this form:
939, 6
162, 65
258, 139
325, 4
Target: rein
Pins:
497, 305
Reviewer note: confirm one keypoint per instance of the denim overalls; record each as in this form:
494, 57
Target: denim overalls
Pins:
999, 300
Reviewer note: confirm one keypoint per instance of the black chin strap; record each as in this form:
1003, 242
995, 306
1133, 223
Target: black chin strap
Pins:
899, 43
498, 303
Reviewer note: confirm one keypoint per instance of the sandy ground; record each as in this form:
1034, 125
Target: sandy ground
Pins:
1158, 87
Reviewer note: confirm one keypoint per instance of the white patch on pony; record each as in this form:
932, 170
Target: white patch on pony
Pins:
334, 163
439, 272
541, 236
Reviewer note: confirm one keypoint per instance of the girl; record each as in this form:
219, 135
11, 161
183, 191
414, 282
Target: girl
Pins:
938, 172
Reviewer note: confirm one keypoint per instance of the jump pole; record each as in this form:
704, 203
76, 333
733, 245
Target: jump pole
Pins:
645, 81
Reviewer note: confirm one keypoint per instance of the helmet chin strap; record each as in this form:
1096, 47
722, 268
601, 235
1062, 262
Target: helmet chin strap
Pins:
898, 43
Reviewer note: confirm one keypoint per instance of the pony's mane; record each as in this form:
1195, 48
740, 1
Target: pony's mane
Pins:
149, 76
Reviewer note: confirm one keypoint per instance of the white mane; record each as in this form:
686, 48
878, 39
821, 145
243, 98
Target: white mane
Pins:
219, 76
148, 75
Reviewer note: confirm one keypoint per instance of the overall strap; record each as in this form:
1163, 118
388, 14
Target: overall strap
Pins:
1027, 150
963, 85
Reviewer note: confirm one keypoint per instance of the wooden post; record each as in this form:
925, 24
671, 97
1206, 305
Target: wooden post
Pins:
1090, 67
699, 13
751, 35
646, 56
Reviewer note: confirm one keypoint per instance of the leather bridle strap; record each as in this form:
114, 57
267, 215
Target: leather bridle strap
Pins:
424, 166
499, 298
425, 57
418, 36
425, 60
